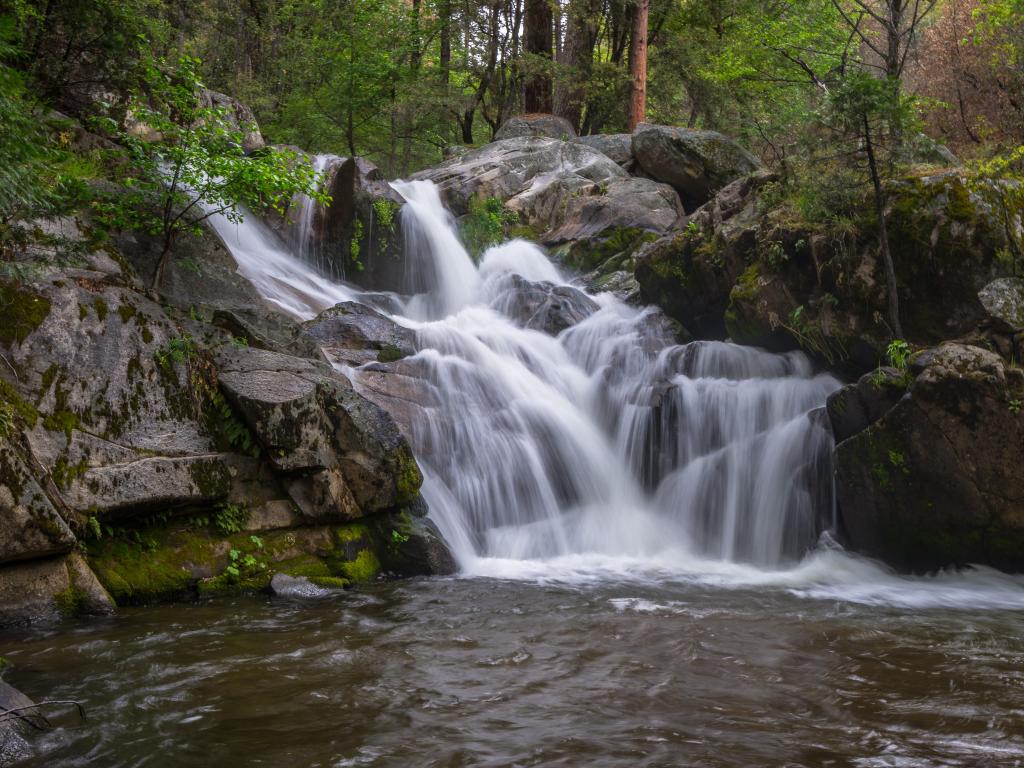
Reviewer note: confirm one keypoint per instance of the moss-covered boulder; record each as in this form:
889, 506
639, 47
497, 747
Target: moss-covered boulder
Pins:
30, 526
936, 477
48, 589
539, 124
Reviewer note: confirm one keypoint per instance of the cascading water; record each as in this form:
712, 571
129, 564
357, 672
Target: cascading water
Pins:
605, 448
302, 234
609, 439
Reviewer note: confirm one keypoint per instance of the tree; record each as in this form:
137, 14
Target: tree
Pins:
576, 59
188, 164
638, 64
866, 110
538, 25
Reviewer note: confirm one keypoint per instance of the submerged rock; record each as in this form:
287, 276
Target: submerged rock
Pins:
542, 306
937, 479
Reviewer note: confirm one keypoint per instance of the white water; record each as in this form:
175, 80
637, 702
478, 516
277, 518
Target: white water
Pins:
609, 452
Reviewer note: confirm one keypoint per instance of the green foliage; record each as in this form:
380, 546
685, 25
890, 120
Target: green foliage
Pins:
229, 519
484, 225
187, 162
244, 565
898, 352
6, 419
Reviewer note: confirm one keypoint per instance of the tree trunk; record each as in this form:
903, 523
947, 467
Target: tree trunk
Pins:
577, 57
537, 41
158, 273
638, 65
446, 41
883, 235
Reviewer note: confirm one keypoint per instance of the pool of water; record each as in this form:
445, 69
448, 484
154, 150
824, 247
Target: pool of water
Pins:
499, 672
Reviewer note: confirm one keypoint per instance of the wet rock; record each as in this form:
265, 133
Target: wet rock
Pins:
346, 454
857, 406
283, 585
14, 747
548, 126
421, 550
937, 479
48, 589
402, 389
542, 306
356, 334
696, 163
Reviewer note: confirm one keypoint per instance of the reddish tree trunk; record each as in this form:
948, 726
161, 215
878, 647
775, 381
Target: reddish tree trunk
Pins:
537, 40
638, 64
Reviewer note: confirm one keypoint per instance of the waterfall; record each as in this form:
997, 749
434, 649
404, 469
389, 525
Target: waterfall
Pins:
302, 235
597, 435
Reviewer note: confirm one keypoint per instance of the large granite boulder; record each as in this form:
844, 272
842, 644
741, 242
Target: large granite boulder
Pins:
239, 115
548, 126
616, 146
343, 457
696, 163
566, 195
935, 479
355, 334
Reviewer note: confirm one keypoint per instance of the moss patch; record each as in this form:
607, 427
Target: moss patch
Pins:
23, 312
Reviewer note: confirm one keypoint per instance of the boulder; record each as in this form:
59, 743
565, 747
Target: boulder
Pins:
618, 147
542, 306
14, 747
283, 585
356, 334
48, 589
548, 126
696, 163
937, 479
1003, 301
566, 195
344, 456
239, 115
30, 526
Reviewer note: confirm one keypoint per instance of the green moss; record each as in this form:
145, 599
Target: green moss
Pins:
351, 532
147, 335
304, 565
589, 254
211, 478
62, 421
738, 324
8, 394
101, 308
64, 474
162, 569
83, 311
127, 312
23, 312
408, 479
389, 353
329, 582
364, 568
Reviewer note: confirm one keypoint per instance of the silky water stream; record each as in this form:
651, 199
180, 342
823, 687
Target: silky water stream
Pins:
647, 576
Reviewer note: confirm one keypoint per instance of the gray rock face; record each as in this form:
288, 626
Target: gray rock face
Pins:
937, 480
357, 334
30, 527
344, 456
1003, 300
618, 147
241, 115
696, 163
549, 126
14, 747
542, 306
857, 406
575, 198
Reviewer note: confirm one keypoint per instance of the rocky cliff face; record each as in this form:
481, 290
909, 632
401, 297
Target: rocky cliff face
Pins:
142, 443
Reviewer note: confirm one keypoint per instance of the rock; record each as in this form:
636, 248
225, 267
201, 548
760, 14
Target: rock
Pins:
14, 747
47, 589
618, 147
30, 527
345, 455
696, 163
541, 306
422, 551
356, 334
857, 406
239, 115
548, 126
937, 480
403, 389
283, 585
1003, 300
570, 196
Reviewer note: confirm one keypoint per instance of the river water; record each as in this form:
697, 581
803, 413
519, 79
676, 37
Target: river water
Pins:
493, 672
648, 571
